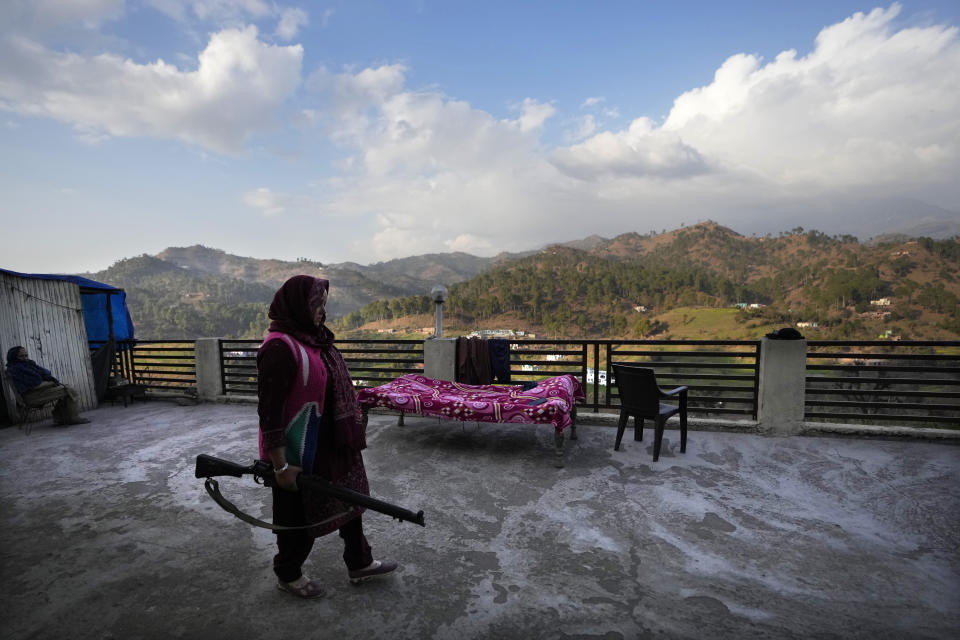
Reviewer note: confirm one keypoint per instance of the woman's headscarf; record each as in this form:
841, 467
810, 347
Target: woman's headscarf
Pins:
293, 308
12, 355
292, 311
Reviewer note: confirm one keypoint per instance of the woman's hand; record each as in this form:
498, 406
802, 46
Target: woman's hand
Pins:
287, 479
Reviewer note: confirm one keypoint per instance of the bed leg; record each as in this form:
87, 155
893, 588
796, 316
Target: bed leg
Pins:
558, 458
573, 423
400, 420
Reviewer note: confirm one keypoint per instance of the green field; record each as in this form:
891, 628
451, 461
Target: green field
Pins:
690, 323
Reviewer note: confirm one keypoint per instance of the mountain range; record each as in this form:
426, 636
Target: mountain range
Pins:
187, 292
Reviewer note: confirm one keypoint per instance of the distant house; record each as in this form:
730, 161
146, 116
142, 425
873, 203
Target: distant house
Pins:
601, 376
882, 302
807, 325
492, 333
756, 305
641, 308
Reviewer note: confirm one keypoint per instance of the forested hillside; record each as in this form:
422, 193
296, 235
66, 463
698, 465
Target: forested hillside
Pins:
167, 301
624, 287
630, 286
189, 292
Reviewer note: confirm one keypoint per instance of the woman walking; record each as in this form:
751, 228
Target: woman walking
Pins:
310, 422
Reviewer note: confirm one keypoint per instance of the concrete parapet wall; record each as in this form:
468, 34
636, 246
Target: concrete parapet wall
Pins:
782, 386
440, 358
209, 378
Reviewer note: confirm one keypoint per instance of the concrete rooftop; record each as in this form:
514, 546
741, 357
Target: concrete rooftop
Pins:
106, 534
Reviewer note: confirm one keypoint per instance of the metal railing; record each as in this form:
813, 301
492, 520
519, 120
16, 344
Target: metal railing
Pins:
373, 361
846, 381
156, 364
871, 381
722, 375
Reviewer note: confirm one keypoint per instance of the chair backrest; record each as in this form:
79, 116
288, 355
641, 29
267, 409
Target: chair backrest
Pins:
638, 389
19, 411
8, 382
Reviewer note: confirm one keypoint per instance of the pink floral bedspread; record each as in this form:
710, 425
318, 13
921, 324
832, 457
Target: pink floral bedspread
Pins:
478, 403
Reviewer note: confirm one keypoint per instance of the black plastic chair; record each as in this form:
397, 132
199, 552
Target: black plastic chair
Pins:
640, 397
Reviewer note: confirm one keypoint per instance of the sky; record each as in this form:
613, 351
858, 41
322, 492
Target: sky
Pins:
370, 130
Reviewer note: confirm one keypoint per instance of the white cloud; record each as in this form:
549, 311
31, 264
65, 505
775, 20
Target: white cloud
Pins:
585, 127
237, 14
216, 11
866, 106
43, 15
534, 114
290, 22
869, 113
640, 150
268, 202
592, 102
469, 243
236, 89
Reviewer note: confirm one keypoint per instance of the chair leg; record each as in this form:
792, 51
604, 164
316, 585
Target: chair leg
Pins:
683, 432
637, 428
658, 438
621, 427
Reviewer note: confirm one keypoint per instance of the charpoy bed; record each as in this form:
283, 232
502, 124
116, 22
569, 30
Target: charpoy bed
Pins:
552, 401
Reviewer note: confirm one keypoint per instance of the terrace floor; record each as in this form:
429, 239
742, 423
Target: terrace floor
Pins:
106, 534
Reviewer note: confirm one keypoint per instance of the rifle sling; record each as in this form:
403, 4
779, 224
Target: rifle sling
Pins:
213, 488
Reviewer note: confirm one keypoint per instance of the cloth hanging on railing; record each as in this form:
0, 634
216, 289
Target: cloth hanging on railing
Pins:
473, 361
500, 359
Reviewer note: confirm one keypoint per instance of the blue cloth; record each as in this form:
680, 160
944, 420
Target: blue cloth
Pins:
27, 374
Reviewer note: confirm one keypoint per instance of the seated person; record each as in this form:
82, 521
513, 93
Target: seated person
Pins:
38, 386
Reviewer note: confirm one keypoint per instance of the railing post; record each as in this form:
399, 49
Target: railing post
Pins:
440, 358
209, 377
596, 377
782, 386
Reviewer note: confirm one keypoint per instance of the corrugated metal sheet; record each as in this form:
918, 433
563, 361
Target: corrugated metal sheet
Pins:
46, 317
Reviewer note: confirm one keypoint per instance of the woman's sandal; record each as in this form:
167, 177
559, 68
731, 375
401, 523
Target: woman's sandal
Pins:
302, 587
375, 568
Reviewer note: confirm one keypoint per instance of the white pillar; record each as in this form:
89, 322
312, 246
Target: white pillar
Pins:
782, 386
209, 379
440, 358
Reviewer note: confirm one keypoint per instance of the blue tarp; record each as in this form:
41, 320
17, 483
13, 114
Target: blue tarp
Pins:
94, 297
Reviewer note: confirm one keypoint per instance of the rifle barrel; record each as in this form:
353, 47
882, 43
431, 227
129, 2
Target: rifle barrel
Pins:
353, 497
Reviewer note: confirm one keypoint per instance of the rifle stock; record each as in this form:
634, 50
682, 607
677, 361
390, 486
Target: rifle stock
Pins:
209, 467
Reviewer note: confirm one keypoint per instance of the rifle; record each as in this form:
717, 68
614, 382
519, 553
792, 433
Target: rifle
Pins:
209, 467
